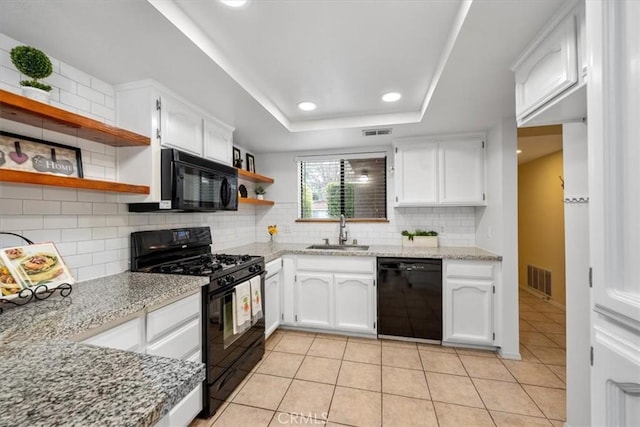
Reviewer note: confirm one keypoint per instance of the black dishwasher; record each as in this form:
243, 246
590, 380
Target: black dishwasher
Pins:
410, 298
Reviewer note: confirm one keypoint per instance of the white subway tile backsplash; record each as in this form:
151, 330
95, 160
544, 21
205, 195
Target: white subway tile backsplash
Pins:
117, 220
94, 147
103, 232
10, 207
105, 160
101, 110
105, 208
10, 77
77, 208
117, 243
92, 196
90, 246
59, 193
92, 221
42, 235
62, 83
61, 221
42, 207
20, 191
68, 99
75, 74
92, 272
105, 256
26, 222
90, 94
67, 249
102, 86
76, 235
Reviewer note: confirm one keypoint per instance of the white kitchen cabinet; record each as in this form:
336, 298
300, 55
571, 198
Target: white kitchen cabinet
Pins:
184, 411
128, 336
314, 293
288, 290
180, 125
468, 294
355, 300
218, 141
550, 74
272, 297
440, 171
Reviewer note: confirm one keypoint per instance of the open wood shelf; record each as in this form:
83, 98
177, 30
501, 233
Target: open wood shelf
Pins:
254, 177
252, 201
22, 177
24, 110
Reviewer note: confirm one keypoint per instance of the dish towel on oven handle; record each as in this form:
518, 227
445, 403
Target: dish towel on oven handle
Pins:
241, 307
256, 299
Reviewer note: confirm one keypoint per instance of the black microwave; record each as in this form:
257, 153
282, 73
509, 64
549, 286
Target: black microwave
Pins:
193, 184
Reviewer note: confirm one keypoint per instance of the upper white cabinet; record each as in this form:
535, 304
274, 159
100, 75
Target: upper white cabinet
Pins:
218, 141
550, 74
443, 171
180, 125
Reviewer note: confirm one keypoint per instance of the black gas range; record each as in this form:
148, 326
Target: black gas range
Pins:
228, 351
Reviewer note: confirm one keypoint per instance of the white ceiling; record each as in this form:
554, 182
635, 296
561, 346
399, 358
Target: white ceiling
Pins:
249, 67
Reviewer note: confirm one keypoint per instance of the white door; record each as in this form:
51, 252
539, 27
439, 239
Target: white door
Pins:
354, 302
416, 174
461, 172
313, 291
180, 126
272, 303
218, 142
613, 41
468, 311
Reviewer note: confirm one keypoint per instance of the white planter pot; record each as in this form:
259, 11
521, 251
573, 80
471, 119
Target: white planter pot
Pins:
35, 94
420, 242
260, 196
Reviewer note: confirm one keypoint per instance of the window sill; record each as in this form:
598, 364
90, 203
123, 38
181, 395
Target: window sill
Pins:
331, 220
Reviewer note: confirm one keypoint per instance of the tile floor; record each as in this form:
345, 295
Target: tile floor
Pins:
318, 379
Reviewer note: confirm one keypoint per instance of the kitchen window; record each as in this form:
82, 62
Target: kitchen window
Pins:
351, 184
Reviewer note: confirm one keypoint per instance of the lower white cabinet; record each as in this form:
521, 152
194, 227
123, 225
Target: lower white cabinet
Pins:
355, 301
272, 297
185, 411
128, 336
468, 293
314, 299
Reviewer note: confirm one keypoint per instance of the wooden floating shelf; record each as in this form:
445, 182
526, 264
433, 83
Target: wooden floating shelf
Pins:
22, 177
20, 109
255, 177
252, 201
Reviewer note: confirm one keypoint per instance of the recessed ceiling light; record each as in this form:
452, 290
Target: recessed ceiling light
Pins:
307, 106
234, 3
391, 97
519, 151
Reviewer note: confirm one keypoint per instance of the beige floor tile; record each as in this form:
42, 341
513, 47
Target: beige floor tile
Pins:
446, 363
506, 397
535, 316
319, 369
559, 339
294, 344
486, 367
557, 423
552, 401
287, 419
356, 407
453, 389
397, 343
526, 326
330, 424
334, 337
546, 307
527, 356
550, 327
300, 333
364, 340
474, 352
239, 387
456, 416
533, 373
308, 399
199, 422
435, 347
401, 357
281, 364
239, 415
534, 339
524, 306
264, 357
360, 375
253, 393
400, 411
503, 419
549, 355
273, 340
332, 349
366, 353
557, 317
560, 371
404, 382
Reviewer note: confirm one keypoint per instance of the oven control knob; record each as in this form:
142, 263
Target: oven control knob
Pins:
221, 281
230, 279
254, 269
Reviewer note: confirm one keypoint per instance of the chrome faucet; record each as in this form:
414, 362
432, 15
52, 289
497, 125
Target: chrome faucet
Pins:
342, 238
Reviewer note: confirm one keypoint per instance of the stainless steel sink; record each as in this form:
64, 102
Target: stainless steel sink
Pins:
339, 247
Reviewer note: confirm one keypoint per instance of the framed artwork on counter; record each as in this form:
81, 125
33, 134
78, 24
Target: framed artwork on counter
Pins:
237, 158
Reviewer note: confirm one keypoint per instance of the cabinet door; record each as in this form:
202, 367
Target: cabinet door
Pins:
218, 142
180, 126
127, 336
468, 309
461, 172
313, 302
354, 302
416, 174
272, 302
549, 70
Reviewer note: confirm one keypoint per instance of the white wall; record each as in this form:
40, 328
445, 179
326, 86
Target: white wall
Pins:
576, 219
497, 228
90, 228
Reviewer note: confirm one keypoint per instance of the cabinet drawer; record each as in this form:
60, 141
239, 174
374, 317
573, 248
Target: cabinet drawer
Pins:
273, 267
164, 319
337, 264
187, 409
179, 344
478, 270
128, 336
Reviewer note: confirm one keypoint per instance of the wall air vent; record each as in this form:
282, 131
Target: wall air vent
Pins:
539, 279
376, 132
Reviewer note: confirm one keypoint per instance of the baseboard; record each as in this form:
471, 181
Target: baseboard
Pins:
543, 297
509, 356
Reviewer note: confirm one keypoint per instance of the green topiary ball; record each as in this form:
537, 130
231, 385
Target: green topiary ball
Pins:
31, 62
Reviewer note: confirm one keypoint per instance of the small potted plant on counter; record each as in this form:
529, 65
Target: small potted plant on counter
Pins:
260, 192
36, 64
420, 239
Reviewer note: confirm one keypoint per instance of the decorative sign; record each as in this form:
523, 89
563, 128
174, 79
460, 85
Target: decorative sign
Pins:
34, 155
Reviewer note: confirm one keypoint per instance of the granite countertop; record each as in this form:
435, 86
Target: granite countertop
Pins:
271, 252
50, 380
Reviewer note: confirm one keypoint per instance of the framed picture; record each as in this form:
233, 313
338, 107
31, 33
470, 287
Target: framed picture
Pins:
251, 163
237, 158
35, 155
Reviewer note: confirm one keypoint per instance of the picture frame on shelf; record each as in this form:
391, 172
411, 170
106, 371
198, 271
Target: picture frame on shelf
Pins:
251, 163
22, 153
237, 158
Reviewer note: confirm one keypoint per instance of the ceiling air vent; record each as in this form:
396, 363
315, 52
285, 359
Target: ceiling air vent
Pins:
376, 132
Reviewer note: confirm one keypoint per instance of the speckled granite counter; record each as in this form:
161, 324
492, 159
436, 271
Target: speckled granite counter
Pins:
50, 380
271, 252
